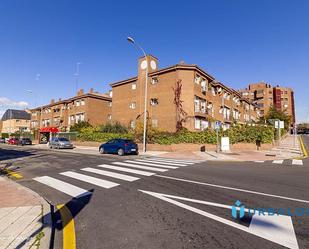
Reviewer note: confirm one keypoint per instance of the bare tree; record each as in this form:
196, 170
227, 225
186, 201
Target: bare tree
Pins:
180, 112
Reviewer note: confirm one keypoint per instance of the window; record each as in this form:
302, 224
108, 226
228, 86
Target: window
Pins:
109, 103
204, 124
154, 123
132, 124
109, 116
82, 102
80, 117
154, 101
213, 91
132, 105
196, 104
133, 86
77, 103
197, 124
203, 106
270, 92
197, 79
204, 86
17, 120
154, 80
285, 92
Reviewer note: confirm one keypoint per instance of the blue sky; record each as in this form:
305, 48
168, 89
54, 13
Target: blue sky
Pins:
237, 42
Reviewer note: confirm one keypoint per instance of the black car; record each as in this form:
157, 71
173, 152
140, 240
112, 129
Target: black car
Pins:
25, 141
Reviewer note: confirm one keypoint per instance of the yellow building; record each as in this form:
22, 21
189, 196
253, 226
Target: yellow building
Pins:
15, 121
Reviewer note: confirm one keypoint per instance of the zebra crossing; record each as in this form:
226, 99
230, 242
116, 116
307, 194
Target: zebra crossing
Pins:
297, 162
126, 170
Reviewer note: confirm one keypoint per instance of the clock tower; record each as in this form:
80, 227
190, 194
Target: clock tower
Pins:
151, 63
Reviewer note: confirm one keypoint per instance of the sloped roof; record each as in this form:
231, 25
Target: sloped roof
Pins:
15, 114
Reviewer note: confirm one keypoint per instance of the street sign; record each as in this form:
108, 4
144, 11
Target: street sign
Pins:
279, 124
225, 144
217, 125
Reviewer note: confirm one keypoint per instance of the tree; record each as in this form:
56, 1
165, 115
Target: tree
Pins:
180, 112
274, 114
80, 125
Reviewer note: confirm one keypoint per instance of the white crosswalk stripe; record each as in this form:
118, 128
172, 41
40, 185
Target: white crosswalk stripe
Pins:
134, 171
297, 162
278, 161
111, 174
139, 166
93, 180
159, 162
173, 160
62, 186
152, 164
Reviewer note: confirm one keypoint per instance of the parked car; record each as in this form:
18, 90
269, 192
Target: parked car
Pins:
119, 146
60, 143
13, 141
2, 140
25, 141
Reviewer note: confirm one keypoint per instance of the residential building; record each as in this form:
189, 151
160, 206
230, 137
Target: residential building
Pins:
265, 96
92, 107
202, 101
15, 121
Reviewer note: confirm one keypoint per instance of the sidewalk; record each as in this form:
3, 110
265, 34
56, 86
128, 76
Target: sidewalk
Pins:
23, 214
288, 148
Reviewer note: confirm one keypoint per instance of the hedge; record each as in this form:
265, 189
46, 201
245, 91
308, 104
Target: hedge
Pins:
237, 134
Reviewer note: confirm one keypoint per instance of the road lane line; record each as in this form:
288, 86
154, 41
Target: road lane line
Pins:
297, 162
134, 171
139, 167
64, 187
235, 189
163, 163
258, 161
172, 160
68, 230
152, 164
90, 179
111, 174
11, 173
278, 161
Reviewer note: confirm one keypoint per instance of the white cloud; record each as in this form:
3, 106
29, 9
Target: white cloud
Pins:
6, 103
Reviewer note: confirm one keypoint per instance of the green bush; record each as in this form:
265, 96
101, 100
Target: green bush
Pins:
237, 134
114, 128
79, 126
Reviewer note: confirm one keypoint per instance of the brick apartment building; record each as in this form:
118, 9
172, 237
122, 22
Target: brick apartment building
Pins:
92, 107
264, 96
205, 100
15, 121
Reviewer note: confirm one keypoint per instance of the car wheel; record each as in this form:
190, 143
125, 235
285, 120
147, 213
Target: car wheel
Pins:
120, 152
101, 150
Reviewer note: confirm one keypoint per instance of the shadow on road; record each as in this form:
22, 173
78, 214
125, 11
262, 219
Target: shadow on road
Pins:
55, 221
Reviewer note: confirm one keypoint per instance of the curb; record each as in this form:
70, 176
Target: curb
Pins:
303, 147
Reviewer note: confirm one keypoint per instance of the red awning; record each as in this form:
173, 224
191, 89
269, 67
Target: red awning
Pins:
49, 129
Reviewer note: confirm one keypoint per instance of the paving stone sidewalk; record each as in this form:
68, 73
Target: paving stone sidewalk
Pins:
24, 217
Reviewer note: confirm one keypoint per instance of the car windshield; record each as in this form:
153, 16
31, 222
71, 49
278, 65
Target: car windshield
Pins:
63, 139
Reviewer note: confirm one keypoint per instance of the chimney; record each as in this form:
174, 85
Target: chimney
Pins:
80, 92
91, 90
52, 101
182, 62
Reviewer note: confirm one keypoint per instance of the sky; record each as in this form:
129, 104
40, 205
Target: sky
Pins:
238, 42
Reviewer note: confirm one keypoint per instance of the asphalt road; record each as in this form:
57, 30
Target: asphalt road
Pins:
195, 214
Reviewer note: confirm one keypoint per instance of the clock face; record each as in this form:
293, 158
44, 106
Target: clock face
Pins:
144, 64
153, 65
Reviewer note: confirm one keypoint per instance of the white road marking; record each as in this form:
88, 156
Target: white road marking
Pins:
160, 162
172, 160
64, 187
297, 162
93, 180
134, 171
235, 189
279, 228
278, 161
139, 167
111, 174
152, 164
258, 161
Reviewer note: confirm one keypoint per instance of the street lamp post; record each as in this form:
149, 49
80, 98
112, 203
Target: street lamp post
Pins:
130, 39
